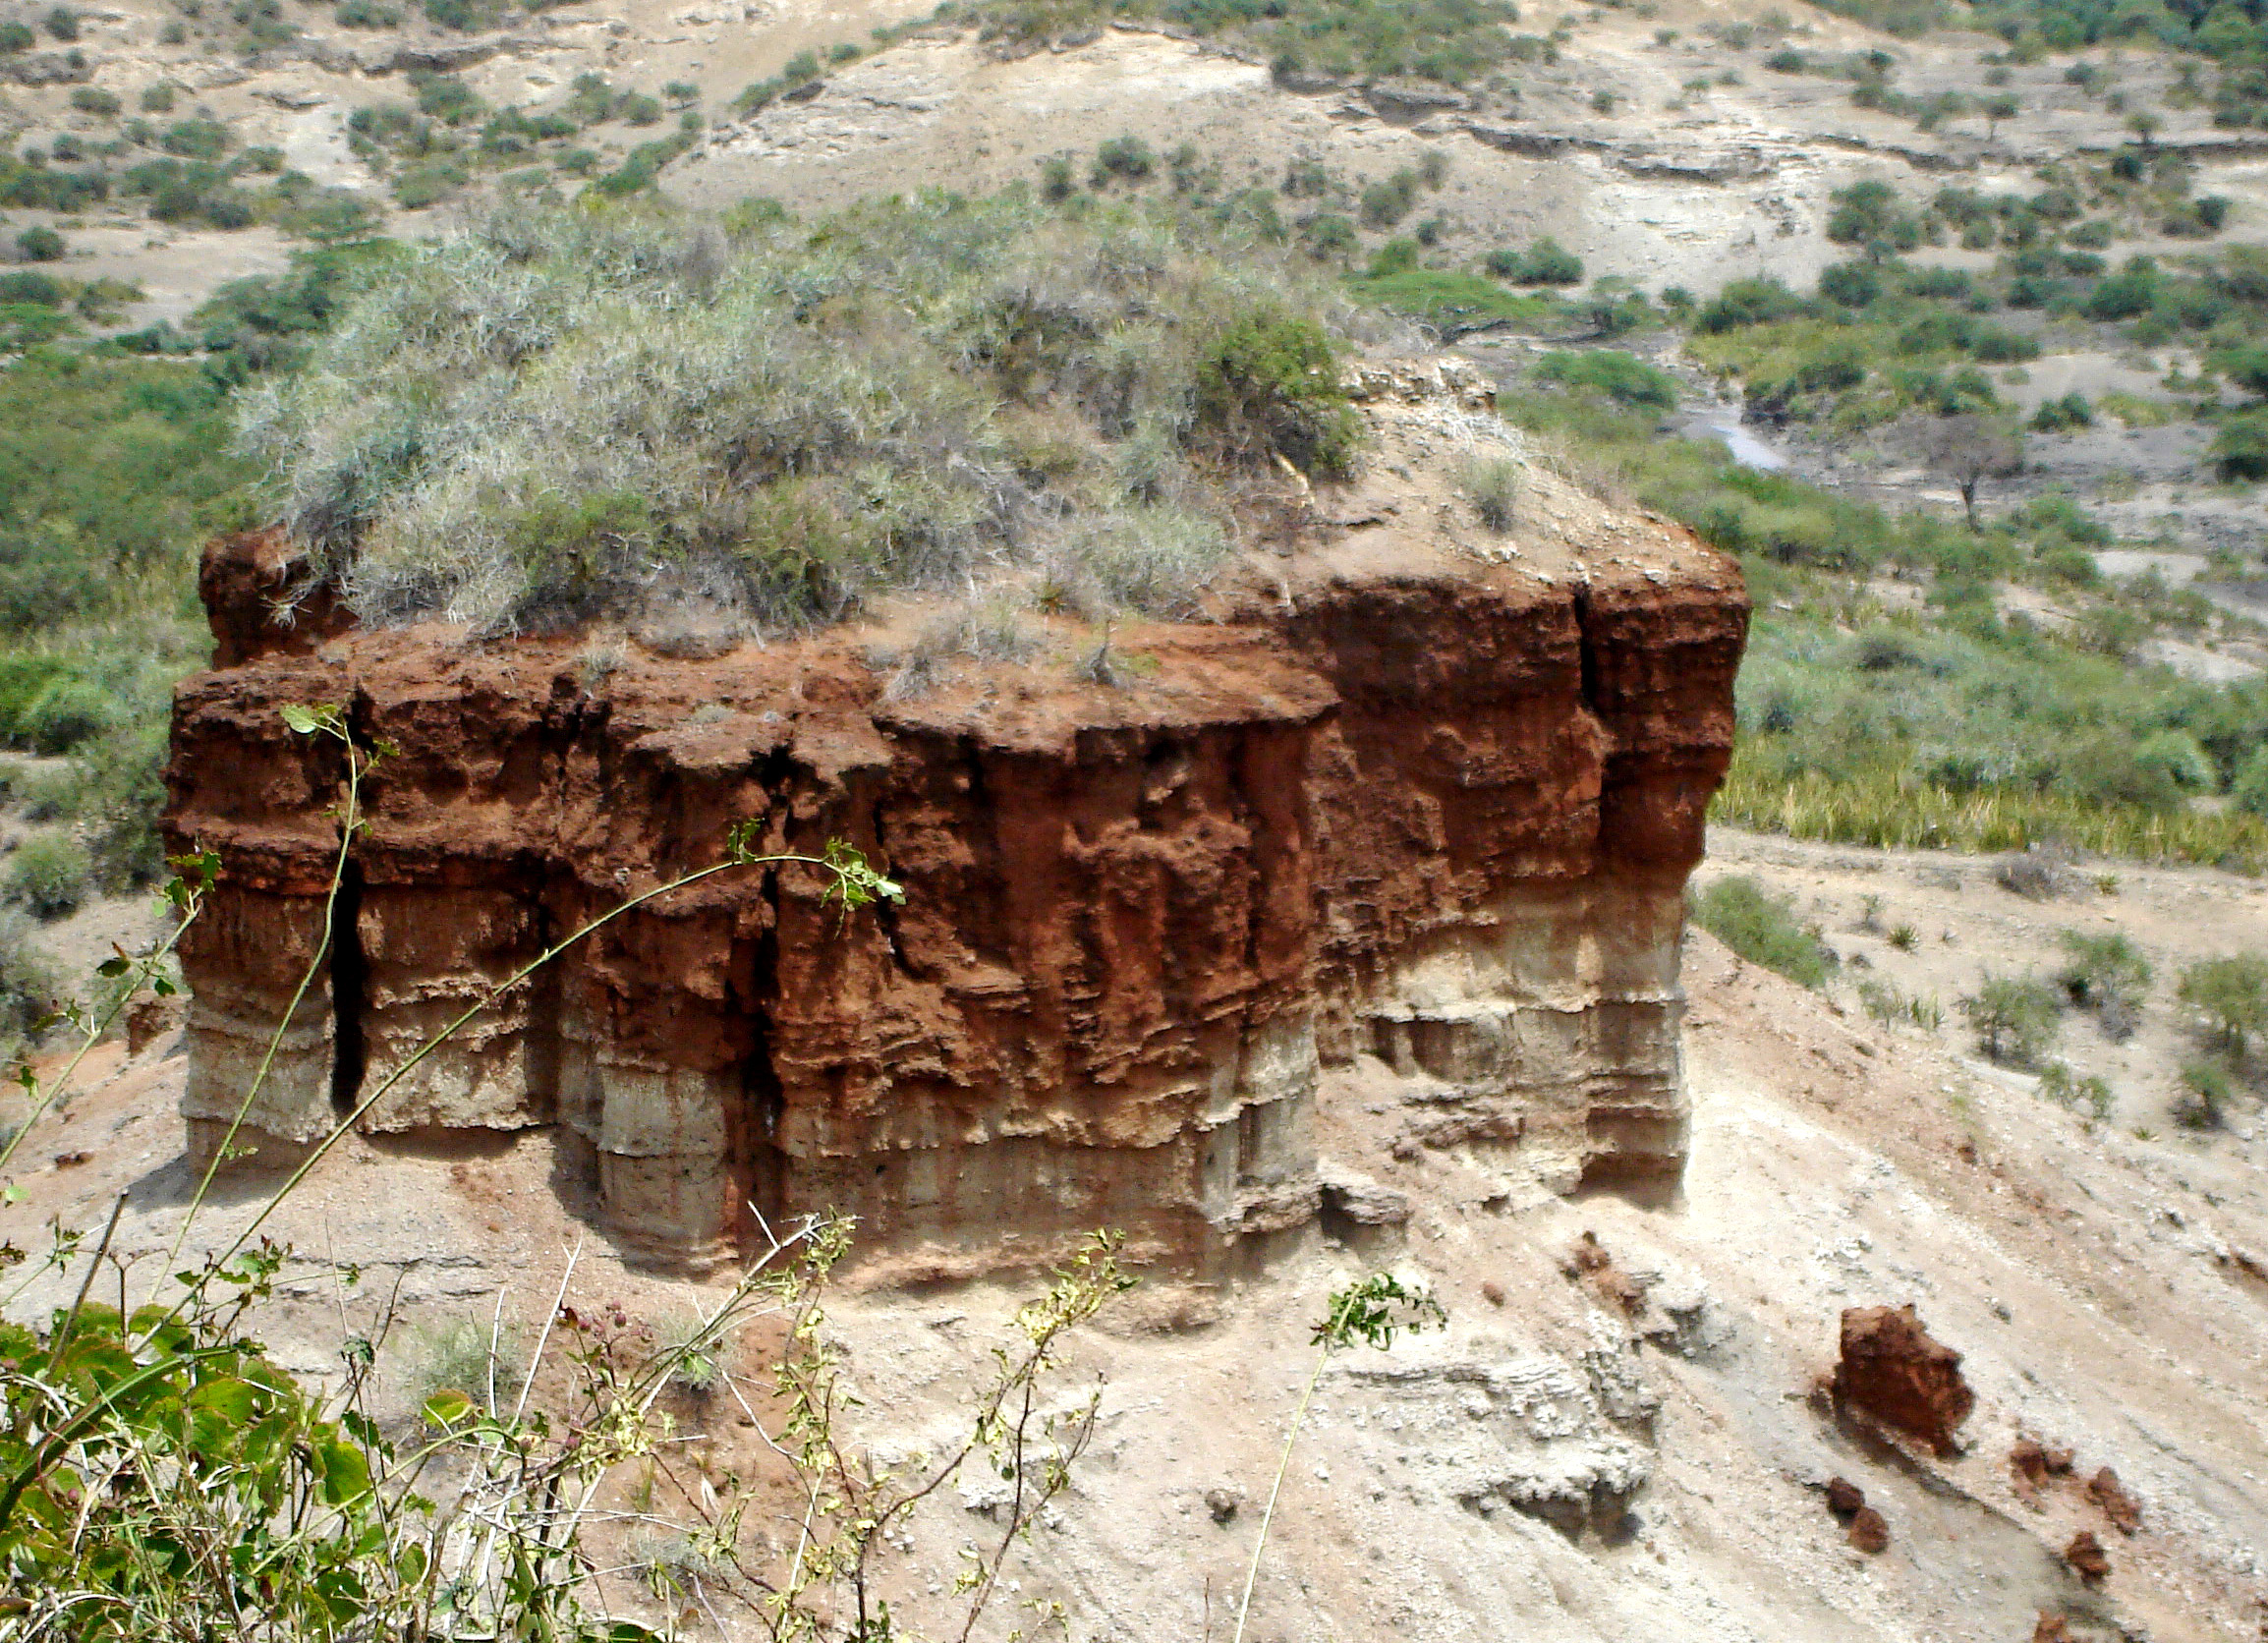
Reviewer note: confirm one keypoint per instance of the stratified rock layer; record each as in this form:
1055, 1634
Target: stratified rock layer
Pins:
1440, 816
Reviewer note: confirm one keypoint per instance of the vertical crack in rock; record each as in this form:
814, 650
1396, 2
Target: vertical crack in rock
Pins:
349, 975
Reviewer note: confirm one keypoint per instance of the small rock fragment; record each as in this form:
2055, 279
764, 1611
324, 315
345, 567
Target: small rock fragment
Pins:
2031, 1463
1890, 1367
1869, 1532
1588, 1255
2122, 1508
1221, 1504
1589, 1259
1845, 1498
2087, 1558
1493, 1292
2052, 1628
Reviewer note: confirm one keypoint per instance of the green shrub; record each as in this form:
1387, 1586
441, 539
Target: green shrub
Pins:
1395, 256
2240, 448
1495, 485
40, 245
428, 185
41, 289
1546, 262
447, 98
2205, 1095
1128, 158
1328, 236
194, 140
2013, 1018
2250, 788
2176, 759
2232, 993
2067, 1089
1269, 386
1763, 929
1390, 200
2061, 416
92, 99
68, 712
1749, 302
2106, 974
50, 874
117, 792
1621, 377
1871, 215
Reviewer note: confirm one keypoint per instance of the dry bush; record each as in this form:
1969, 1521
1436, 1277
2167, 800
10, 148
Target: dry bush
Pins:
1494, 483
556, 415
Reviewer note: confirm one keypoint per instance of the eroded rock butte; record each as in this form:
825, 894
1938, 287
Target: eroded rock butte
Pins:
1441, 815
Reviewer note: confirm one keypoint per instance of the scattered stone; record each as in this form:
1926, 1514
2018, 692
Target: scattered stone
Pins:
2052, 1628
2122, 1508
1493, 1292
1869, 1532
1221, 1504
2032, 1463
1845, 1498
1893, 1370
2088, 1560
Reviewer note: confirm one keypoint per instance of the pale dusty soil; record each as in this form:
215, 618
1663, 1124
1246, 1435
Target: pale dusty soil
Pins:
1966, 927
1675, 185
2104, 1290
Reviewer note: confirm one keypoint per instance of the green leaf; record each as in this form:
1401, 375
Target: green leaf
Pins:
447, 1408
113, 967
346, 1471
230, 1400
306, 720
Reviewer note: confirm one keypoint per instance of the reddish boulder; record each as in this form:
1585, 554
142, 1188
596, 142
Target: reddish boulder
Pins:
1893, 1370
2087, 1558
1869, 1532
1845, 1498
2052, 1628
2032, 1463
2122, 1508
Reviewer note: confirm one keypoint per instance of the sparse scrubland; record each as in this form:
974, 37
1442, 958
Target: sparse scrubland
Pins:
558, 415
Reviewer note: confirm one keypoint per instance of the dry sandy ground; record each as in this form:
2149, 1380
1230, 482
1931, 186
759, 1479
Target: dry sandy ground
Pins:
2106, 1291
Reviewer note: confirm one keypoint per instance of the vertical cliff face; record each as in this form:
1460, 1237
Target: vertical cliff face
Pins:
1439, 813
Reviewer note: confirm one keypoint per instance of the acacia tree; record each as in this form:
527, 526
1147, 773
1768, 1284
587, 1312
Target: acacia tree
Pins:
1969, 449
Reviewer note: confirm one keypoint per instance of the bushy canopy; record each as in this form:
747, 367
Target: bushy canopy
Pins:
558, 412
